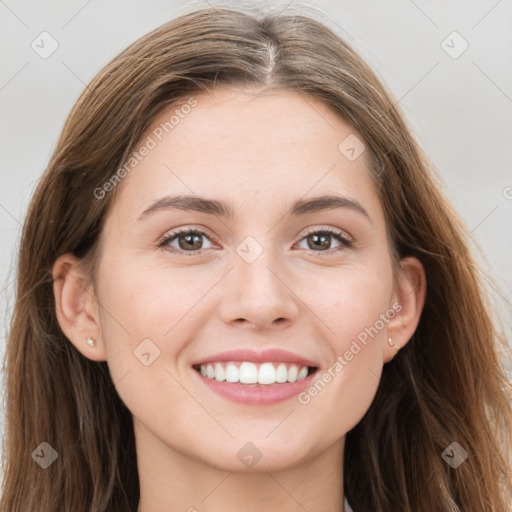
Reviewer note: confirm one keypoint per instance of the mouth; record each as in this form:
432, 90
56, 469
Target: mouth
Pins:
247, 372
255, 384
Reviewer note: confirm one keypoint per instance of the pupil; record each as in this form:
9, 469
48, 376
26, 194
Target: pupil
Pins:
191, 240
325, 244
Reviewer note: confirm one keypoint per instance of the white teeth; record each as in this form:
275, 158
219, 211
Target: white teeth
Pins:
248, 373
232, 374
220, 373
281, 373
292, 373
266, 374
303, 373
251, 373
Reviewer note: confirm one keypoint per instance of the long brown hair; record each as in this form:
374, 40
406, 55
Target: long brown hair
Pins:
446, 385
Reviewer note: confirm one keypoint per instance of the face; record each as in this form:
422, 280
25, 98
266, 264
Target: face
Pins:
257, 288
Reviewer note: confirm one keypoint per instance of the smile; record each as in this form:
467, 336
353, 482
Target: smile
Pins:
246, 372
254, 384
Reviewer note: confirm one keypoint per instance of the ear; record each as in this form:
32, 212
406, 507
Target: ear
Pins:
76, 306
409, 299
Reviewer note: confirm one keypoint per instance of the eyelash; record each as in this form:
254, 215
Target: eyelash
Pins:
346, 242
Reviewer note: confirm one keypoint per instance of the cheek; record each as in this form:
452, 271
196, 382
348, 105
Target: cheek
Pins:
148, 301
145, 322
356, 310
148, 315
353, 301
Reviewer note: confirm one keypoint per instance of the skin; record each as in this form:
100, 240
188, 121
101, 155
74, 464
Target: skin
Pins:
259, 152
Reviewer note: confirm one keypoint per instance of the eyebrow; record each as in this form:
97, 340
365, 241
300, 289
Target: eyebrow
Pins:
223, 209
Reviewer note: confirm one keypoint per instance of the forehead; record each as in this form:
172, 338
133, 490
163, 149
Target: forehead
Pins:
238, 145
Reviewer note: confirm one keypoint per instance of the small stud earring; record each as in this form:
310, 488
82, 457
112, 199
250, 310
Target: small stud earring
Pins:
90, 342
391, 344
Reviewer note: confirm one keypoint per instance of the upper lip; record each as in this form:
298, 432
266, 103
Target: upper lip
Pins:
276, 355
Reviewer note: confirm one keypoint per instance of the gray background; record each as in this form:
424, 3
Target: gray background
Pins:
460, 108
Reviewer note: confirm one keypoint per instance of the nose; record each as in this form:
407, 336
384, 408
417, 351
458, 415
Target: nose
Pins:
259, 295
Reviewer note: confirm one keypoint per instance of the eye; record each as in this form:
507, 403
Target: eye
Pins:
322, 239
188, 240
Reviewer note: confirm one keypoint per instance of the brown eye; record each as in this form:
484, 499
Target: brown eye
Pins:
189, 240
321, 240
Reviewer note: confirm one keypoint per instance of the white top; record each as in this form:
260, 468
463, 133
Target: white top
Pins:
348, 508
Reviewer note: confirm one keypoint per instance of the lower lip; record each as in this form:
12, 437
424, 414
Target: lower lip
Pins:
256, 394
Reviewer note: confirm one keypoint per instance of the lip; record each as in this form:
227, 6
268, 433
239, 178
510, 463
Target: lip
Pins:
257, 394
271, 355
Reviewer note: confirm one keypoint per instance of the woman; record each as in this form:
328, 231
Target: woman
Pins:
241, 288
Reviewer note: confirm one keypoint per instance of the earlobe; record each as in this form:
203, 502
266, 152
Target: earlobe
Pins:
76, 307
410, 292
